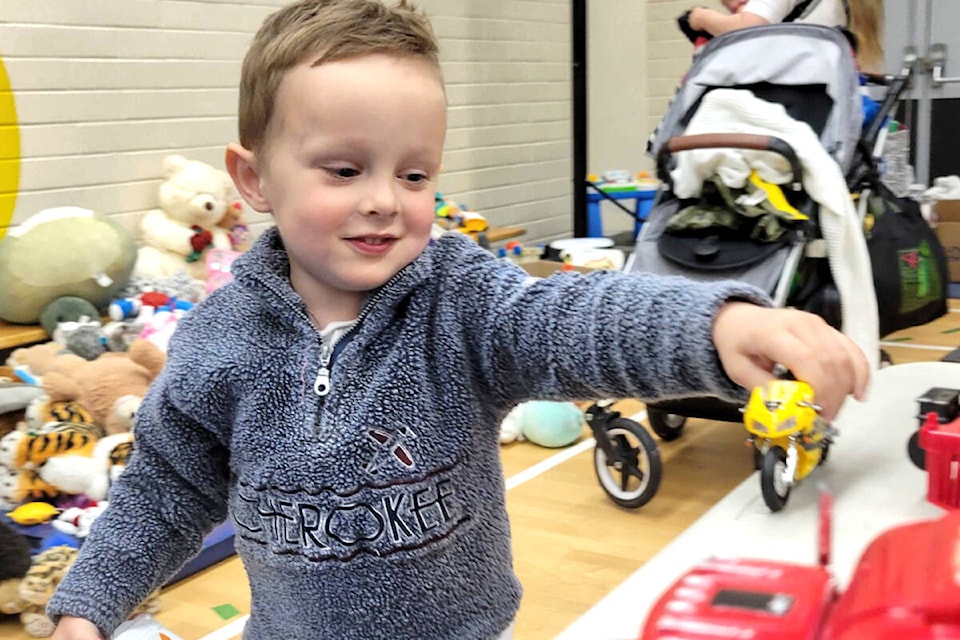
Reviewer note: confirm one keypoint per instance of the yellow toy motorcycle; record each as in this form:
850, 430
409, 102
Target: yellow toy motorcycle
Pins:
788, 436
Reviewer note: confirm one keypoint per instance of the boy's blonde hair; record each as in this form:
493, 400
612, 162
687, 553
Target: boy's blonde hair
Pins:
322, 31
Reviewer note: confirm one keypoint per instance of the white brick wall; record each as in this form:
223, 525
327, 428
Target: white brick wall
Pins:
616, 104
103, 95
509, 153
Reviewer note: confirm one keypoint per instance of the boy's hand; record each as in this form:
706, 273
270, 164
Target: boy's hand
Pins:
71, 628
751, 339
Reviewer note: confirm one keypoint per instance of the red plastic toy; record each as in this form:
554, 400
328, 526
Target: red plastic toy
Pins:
936, 445
756, 599
905, 586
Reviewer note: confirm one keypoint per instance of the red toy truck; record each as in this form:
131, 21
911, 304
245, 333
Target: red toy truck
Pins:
905, 587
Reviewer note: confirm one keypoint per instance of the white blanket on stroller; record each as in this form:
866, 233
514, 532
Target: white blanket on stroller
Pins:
739, 111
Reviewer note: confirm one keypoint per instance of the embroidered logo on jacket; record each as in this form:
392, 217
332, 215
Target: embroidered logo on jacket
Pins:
390, 446
379, 519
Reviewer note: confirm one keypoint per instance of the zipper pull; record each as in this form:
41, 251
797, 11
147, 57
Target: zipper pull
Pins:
321, 386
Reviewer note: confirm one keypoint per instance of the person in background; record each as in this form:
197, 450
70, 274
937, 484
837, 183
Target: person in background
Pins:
863, 18
340, 400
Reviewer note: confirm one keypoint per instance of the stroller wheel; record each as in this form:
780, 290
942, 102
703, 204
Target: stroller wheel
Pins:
669, 426
631, 478
776, 490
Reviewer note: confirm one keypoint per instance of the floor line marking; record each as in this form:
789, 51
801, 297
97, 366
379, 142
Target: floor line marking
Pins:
928, 347
543, 466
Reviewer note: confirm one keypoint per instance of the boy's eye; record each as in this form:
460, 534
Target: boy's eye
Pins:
415, 178
342, 172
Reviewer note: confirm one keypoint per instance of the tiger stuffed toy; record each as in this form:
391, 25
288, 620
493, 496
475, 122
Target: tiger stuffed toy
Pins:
43, 412
91, 475
23, 454
29, 450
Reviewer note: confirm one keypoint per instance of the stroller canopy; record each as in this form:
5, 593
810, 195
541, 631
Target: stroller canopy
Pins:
813, 62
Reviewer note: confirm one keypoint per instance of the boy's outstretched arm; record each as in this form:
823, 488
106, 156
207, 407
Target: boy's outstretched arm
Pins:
71, 628
751, 339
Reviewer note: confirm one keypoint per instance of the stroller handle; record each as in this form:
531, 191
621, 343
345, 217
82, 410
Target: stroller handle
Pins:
733, 141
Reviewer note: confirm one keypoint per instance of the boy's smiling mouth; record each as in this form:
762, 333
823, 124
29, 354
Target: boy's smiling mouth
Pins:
374, 244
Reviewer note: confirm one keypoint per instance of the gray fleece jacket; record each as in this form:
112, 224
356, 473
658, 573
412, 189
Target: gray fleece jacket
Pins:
376, 510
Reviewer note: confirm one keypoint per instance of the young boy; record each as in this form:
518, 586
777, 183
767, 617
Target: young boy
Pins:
340, 401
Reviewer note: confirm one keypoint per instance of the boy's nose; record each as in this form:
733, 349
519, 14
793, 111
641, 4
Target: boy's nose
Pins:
381, 199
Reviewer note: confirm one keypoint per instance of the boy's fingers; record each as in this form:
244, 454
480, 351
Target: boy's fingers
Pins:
838, 370
750, 372
832, 364
861, 369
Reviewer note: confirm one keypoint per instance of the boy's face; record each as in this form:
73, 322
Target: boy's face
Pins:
349, 169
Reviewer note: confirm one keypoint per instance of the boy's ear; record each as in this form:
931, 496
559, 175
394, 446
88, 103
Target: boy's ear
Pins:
242, 166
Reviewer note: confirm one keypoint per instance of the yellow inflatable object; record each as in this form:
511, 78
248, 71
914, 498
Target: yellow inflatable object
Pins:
33, 513
9, 152
775, 196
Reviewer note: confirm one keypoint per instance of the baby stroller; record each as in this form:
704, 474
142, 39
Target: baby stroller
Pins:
775, 109
810, 71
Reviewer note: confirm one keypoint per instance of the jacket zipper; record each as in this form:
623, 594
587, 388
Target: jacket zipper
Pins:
322, 385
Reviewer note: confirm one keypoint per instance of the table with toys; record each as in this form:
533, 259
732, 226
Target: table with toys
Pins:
876, 489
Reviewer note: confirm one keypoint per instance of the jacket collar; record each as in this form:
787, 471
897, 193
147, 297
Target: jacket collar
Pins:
264, 271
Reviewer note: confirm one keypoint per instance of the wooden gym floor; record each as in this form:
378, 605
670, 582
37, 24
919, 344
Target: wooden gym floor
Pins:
572, 546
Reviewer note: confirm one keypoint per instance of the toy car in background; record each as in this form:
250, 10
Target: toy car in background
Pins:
788, 436
935, 446
905, 586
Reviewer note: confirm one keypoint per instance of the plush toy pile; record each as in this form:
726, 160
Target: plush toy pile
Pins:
68, 407
66, 439
27, 594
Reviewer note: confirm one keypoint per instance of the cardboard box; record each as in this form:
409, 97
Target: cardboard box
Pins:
543, 268
948, 232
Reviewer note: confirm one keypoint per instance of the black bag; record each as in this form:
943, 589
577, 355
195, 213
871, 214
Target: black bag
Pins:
909, 264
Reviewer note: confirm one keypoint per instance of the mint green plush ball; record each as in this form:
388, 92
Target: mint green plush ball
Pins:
551, 424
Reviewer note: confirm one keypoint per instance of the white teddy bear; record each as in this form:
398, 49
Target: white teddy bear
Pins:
194, 199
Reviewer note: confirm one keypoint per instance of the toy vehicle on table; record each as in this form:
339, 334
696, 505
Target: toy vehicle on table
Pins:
788, 436
905, 586
757, 599
935, 445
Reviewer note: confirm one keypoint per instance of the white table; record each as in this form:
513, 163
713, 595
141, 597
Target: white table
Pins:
874, 486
